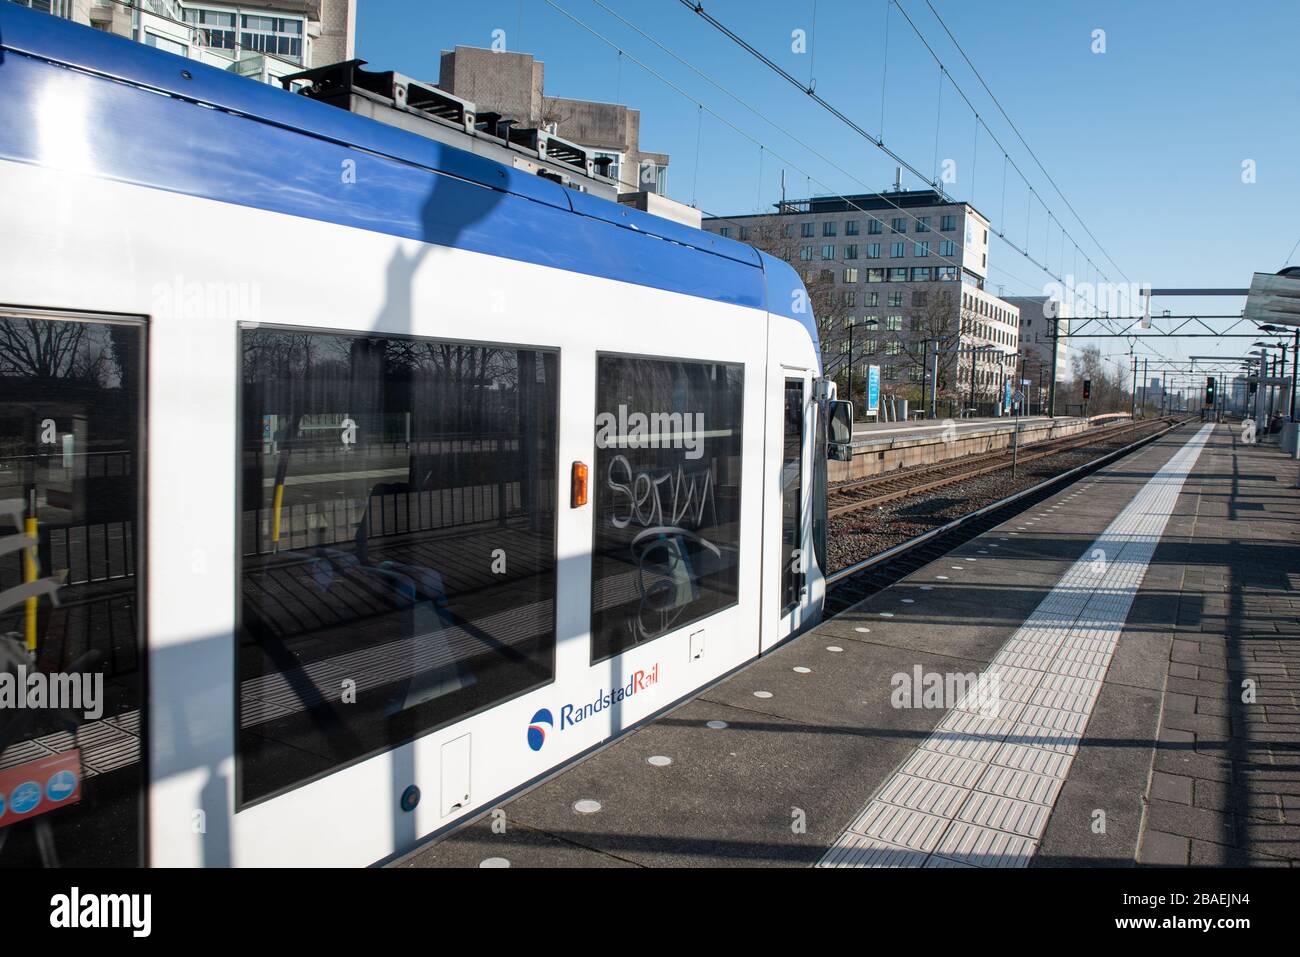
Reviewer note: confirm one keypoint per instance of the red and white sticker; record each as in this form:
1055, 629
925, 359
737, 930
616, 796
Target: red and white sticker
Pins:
27, 790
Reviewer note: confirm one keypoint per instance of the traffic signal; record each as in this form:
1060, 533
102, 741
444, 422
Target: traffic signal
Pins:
1087, 389
1209, 391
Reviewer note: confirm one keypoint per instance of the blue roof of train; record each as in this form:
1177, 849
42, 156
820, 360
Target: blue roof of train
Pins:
254, 145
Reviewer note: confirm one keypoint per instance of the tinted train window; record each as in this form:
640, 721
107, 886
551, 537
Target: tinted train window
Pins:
667, 497
397, 533
71, 407
792, 562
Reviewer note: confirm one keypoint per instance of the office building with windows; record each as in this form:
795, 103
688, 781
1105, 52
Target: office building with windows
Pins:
260, 39
1041, 317
1241, 395
897, 268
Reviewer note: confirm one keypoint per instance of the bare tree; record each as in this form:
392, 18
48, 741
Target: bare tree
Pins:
553, 112
932, 324
1038, 371
769, 236
1109, 384
36, 349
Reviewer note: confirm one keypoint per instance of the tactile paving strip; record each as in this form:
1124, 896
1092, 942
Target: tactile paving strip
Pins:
979, 790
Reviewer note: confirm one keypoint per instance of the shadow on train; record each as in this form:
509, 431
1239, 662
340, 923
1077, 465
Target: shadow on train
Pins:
442, 220
418, 597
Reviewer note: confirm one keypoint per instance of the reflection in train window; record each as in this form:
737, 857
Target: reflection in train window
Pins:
71, 407
397, 534
667, 497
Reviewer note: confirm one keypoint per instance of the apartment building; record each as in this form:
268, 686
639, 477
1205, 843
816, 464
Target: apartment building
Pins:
896, 272
259, 39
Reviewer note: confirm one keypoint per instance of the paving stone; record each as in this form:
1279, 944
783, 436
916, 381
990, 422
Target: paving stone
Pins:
1164, 850
1255, 807
1190, 822
1176, 735
1206, 854
1199, 724
1172, 788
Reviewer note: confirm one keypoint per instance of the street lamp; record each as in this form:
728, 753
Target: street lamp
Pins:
1295, 360
975, 352
1267, 372
870, 322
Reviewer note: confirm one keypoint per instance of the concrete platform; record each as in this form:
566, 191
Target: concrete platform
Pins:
1121, 618
873, 428
882, 448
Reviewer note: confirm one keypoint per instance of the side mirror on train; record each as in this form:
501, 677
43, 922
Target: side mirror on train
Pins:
839, 445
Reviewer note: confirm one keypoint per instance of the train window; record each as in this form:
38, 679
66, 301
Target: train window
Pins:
792, 560
667, 497
71, 644
397, 542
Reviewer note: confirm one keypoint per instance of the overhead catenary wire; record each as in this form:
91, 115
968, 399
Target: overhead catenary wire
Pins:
767, 119
1064, 233
878, 141
758, 113
1023, 142
811, 93
1286, 261
699, 137
926, 43
835, 361
884, 69
812, 49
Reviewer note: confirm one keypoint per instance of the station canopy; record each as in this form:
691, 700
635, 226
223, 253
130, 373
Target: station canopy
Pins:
1274, 299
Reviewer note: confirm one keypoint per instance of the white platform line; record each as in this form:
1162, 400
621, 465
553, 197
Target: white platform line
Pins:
980, 789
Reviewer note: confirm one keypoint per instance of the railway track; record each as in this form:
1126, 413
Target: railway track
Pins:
878, 490
849, 585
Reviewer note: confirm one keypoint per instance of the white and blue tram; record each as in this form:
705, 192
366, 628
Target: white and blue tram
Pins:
366, 479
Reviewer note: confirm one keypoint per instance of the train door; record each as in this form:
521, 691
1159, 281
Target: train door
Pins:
71, 637
788, 560
398, 579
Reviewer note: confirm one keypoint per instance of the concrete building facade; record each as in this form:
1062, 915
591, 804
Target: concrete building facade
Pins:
1039, 316
1240, 398
513, 84
894, 271
338, 33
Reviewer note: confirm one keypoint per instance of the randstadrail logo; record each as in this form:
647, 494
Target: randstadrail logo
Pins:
571, 714
537, 728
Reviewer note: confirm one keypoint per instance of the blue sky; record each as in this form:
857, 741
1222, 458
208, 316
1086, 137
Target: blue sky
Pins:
1145, 140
